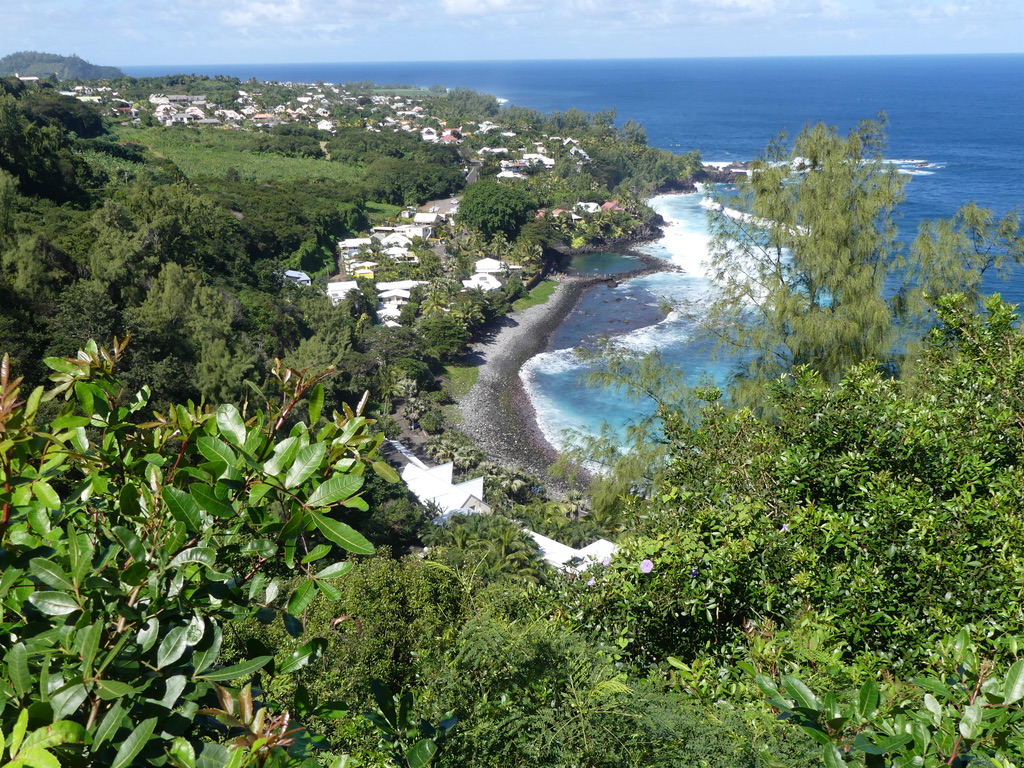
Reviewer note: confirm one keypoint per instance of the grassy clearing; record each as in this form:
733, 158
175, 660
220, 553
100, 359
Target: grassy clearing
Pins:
460, 379
380, 212
541, 293
213, 152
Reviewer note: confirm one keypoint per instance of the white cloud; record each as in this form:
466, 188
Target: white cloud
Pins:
486, 7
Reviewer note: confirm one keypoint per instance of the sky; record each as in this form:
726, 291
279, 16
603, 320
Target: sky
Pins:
157, 32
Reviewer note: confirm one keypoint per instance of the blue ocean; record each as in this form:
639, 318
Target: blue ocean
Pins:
955, 124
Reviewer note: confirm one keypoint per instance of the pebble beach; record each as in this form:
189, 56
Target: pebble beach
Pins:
496, 412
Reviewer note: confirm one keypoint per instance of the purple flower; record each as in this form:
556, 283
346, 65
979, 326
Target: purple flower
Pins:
592, 582
606, 562
646, 566
694, 572
784, 528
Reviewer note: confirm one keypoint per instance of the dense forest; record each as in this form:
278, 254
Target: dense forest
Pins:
206, 560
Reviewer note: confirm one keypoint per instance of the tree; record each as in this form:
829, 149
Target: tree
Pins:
802, 269
491, 207
888, 507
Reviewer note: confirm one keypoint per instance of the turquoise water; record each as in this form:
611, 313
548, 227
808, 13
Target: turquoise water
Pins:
603, 264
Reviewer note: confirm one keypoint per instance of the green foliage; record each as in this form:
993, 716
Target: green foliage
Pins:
128, 546
969, 713
412, 743
486, 548
888, 508
529, 694
490, 207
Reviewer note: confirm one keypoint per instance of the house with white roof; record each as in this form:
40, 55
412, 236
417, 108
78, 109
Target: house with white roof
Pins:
394, 239
483, 282
434, 485
339, 290
490, 266
427, 218
351, 246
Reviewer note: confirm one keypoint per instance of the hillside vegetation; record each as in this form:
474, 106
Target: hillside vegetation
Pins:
34, 63
206, 559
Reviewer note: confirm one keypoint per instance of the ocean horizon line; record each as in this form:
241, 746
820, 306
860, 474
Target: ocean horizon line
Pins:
565, 60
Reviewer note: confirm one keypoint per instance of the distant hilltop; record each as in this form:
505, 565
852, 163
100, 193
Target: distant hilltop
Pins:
35, 64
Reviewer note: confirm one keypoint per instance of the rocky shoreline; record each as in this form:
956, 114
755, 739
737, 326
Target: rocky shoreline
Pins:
496, 413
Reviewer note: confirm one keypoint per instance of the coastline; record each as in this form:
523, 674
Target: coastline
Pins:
497, 413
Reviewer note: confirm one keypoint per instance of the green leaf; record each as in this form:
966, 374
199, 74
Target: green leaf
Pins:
422, 753
134, 744
172, 647
69, 422
207, 651
342, 535
385, 471
46, 495
334, 489
148, 634
205, 555
332, 710
969, 722
257, 492
316, 404
282, 456
68, 698
833, 757
385, 701
183, 508
301, 598
1013, 686
216, 450
231, 425
36, 757
88, 643
112, 689
17, 669
328, 590
302, 656
54, 603
244, 669
182, 753
132, 543
307, 460
883, 745
210, 503
801, 693
214, 756
318, 552
356, 502
18, 733
109, 725
61, 732
334, 570
867, 700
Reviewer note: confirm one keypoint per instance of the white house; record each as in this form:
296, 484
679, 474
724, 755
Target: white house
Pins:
338, 291
427, 218
483, 282
490, 266
534, 157
434, 485
351, 246
394, 239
